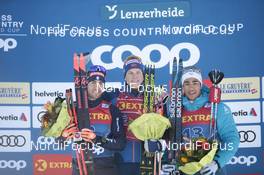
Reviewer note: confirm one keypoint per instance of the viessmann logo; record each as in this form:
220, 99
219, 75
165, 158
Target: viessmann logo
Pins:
145, 11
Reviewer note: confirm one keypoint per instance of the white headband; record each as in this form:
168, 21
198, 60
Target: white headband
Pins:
196, 75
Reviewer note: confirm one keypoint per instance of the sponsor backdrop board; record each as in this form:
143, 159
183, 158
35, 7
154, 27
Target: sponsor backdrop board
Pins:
38, 40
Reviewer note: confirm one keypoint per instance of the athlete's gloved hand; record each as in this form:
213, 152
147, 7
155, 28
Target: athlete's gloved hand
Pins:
153, 145
87, 135
69, 131
209, 169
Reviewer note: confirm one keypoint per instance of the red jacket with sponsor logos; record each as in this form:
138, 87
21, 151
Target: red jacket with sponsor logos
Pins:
131, 106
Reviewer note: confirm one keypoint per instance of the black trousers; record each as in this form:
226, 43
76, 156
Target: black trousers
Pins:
102, 166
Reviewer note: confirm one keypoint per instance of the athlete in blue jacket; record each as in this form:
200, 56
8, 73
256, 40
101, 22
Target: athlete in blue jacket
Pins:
195, 120
106, 126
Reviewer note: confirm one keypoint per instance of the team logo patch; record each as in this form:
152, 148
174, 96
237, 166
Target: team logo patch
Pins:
104, 105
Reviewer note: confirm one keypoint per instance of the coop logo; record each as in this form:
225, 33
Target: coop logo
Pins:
240, 88
145, 11
7, 44
166, 54
13, 164
243, 160
52, 164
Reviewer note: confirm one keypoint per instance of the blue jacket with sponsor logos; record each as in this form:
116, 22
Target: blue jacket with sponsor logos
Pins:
227, 133
106, 121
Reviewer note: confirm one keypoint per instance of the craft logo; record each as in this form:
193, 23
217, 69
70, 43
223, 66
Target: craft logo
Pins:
43, 92
250, 136
15, 140
240, 88
52, 164
245, 112
141, 11
14, 116
14, 93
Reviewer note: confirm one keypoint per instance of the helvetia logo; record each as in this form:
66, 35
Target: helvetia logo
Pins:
49, 94
241, 112
13, 117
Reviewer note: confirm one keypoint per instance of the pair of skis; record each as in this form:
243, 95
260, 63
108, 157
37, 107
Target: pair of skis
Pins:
149, 85
149, 160
79, 112
148, 164
175, 116
176, 105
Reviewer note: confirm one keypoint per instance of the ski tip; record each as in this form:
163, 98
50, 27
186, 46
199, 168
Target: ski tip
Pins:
76, 61
82, 62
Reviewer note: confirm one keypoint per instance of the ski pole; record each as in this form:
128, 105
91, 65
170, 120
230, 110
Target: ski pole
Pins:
214, 97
